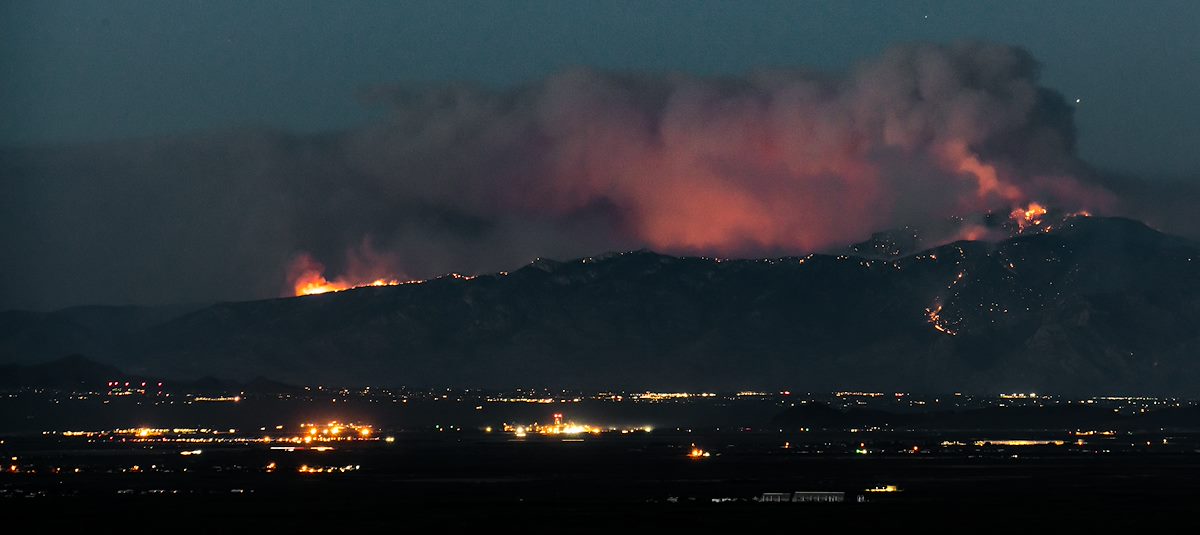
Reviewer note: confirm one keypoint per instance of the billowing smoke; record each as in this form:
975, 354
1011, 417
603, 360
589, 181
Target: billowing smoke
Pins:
463, 178
778, 161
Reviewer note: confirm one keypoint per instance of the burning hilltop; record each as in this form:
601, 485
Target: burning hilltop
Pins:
316, 284
993, 226
307, 276
1037, 218
308, 279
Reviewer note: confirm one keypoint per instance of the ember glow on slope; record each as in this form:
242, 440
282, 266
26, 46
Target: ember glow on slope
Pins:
1028, 219
307, 277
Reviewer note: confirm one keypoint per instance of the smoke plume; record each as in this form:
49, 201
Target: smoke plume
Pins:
465, 178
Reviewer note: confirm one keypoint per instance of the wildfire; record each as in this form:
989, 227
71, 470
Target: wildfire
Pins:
1030, 216
315, 283
306, 275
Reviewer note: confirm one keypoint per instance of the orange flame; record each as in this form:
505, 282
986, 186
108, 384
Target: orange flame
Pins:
315, 283
307, 278
1030, 216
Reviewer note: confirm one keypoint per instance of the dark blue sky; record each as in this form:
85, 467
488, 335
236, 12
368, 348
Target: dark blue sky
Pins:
83, 71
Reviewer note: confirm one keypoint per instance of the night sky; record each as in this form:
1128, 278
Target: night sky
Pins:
161, 152
83, 71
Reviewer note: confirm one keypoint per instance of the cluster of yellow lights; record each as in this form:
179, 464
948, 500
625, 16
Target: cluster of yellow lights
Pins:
858, 394
1019, 395
309, 433
334, 431
884, 488
222, 399
306, 469
148, 432
659, 396
1019, 442
698, 453
521, 400
1090, 433
559, 427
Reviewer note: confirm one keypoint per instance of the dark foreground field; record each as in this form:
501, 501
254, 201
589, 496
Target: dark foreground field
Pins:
611, 483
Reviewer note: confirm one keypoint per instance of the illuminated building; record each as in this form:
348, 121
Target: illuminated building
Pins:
309, 433
221, 399
818, 497
560, 427
884, 488
666, 396
306, 469
1019, 442
803, 497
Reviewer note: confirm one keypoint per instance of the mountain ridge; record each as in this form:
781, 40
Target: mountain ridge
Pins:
1099, 305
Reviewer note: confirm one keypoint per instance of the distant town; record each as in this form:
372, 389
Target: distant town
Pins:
117, 434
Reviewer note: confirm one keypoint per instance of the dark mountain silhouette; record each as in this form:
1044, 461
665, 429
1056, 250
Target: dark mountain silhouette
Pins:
1098, 305
66, 373
76, 373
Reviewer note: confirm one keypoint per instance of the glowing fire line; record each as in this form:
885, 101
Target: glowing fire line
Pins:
317, 284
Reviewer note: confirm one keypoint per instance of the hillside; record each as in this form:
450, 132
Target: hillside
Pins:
1099, 305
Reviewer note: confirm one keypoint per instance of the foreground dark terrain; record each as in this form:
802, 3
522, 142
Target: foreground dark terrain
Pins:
610, 482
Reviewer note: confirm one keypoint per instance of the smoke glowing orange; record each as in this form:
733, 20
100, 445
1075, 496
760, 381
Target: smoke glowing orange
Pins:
781, 162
